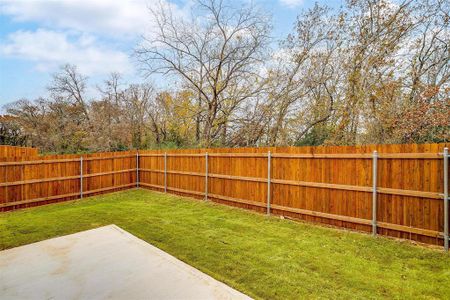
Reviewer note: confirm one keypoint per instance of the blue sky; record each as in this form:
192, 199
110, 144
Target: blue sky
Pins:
38, 36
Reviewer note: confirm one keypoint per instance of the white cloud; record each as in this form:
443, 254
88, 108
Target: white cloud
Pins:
291, 3
108, 17
91, 34
50, 49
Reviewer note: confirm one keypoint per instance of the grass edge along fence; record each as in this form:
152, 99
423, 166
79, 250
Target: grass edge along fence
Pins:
402, 190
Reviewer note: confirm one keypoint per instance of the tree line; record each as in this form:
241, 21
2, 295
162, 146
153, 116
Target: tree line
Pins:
372, 71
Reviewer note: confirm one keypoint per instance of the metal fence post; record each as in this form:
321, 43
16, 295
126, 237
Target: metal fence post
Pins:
206, 176
446, 237
268, 181
81, 176
165, 172
374, 191
137, 169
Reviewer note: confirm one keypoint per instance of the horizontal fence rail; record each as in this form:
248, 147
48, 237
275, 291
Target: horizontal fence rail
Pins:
299, 156
392, 190
401, 192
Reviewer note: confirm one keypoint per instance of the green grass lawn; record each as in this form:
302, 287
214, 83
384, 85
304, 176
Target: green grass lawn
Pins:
264, 257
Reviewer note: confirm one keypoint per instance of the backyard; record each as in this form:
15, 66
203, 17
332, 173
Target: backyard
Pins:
264, 257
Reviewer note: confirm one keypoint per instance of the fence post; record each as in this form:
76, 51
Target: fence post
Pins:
268, 181
374, 191
137, 168
446, 237
81, 176
165, 172
206, 176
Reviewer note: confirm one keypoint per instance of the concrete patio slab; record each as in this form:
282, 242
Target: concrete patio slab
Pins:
103, 263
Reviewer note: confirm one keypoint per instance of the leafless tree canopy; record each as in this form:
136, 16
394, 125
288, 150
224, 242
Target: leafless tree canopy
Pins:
218, 53
374, 71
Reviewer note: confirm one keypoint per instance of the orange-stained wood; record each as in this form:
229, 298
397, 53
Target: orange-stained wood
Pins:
331, 185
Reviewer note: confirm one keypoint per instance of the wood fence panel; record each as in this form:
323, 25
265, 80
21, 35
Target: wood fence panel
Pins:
38, 180
155, 177
15, 151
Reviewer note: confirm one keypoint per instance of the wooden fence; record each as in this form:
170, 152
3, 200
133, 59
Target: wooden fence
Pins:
14, 151
331, 185
36, 180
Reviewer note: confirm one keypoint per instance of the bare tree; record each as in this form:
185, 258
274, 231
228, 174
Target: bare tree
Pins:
69, 85
303, 79
138, 100
218, 53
